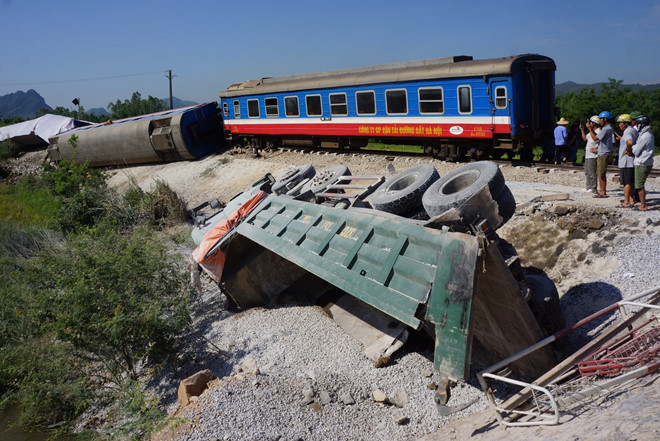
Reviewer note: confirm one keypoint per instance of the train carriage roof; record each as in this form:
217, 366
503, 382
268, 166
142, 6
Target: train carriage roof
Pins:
449, 67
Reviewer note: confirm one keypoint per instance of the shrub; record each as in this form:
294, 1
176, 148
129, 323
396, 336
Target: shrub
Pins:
119, 297
96, 299
163, 206
160, 207
48, 382
81, 189
8, 149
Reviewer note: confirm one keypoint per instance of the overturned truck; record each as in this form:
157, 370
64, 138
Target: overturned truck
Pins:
413, 252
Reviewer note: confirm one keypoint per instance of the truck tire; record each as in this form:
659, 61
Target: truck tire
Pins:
321, 181
458, 186
292, 178
506, 203
402, 193
545, 303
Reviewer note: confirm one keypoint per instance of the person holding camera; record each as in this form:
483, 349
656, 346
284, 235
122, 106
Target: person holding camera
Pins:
605, 148
591, 152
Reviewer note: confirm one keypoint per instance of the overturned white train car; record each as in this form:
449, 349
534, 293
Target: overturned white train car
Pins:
173, 135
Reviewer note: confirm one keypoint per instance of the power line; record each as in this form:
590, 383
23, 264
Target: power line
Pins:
80, 79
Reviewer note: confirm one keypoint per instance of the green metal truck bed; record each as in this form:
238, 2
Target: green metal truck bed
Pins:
411, 273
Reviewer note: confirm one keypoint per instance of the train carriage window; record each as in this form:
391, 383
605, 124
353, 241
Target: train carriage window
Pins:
237, 109
396, 101
253, 108
291, 106
338, 104
500, 97
225, 109
271, 108
313, 103
366, 103
464, 99
431, 100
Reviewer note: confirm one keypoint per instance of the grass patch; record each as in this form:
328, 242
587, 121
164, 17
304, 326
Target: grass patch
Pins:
399, 148
28, 205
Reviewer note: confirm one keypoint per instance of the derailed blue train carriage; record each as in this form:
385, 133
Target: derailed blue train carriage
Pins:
172, 135
452, 106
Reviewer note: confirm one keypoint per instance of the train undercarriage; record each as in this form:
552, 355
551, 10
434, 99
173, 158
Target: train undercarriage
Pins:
443, 149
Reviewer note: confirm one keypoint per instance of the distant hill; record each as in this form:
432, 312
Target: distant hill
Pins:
570, 86
98, 111
22, 104
177, 103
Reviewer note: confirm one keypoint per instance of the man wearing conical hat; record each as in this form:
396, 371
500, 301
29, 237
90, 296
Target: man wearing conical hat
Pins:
561, 141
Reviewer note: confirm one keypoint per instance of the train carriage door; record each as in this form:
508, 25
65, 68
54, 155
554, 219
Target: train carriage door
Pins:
500, 107
542, 85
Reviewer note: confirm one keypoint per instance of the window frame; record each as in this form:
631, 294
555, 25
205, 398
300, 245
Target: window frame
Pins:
320, 105
459, 102
250, 115
387, 107
357, 102
505, 98
344, 104
286, 112
225, 110
271, 107
441, 101
237, 109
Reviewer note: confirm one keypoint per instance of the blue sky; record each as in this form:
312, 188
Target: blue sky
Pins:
103, 51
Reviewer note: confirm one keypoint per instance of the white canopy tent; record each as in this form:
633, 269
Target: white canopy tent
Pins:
36, 132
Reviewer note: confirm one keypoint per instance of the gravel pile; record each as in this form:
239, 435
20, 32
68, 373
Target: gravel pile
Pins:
290, 373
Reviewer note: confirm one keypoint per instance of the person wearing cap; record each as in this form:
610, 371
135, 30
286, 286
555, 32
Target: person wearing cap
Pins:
634, 115
643, 152
591, 152
605, 148
626, 166
561, 140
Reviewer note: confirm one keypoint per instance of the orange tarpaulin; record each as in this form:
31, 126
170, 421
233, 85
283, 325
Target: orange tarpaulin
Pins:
213, 260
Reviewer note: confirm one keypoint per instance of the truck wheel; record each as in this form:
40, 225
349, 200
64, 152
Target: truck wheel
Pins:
458, 186
292, 178
321, 181
545, 303
402, 193
506, 203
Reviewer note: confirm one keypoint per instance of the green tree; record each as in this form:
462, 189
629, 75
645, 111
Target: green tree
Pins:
79, 114
7, 121
135, 106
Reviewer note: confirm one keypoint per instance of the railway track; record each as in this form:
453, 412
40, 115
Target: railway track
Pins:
612, 169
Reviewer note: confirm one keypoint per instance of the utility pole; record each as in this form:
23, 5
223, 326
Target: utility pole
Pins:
169, 77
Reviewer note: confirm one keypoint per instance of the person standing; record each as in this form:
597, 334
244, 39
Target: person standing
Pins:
626, 166
605, 148
633, 116
643, 152
591, 152
561, 141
